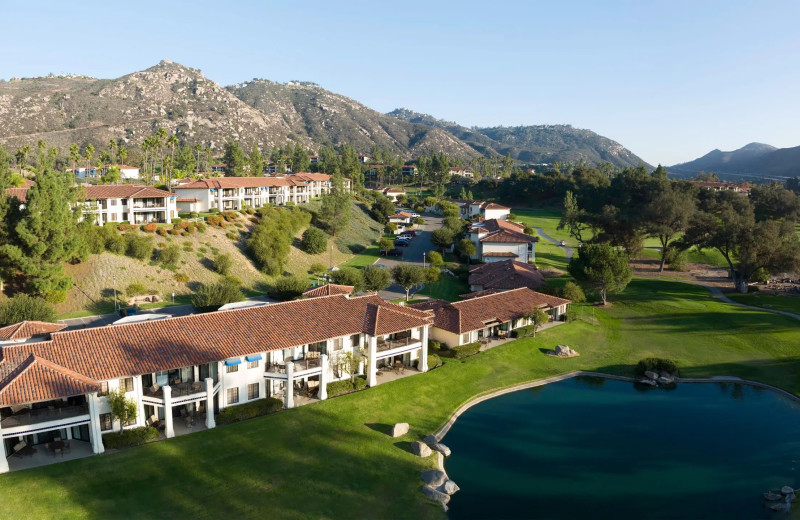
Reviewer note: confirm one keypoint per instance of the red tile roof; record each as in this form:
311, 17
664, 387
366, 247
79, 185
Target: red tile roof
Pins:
37, 379
501, 254
476, 313
492, 205
309, 176
401, 214
124, 191
508, 274
507, 236
188, 200
494, 224
28, 329
143, 347
20, 192
328, 290
240, 182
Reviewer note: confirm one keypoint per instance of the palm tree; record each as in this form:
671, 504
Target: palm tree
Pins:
122, 154
22, 156
74, 156
159, 139
112, 145
197, 149
171, 142
146, 150
88, 153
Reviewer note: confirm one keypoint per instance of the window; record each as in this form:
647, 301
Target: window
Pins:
113, 202
232, 395
338, 343
113, 217
355, 340
231, 369
465, 338
105, 421
252, 364
252, 391
103, 388
126, 384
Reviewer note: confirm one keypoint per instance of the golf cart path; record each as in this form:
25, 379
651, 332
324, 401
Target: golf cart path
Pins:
717, 293
567, 249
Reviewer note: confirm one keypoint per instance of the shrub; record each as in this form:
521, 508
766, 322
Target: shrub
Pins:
391, 227
522, 332
232, 279
138, 247
249, 410
675, 259
135, 289
116, 243
130, 437
317, 268
223, 264
230, 216
25, 308
512, 216
375, 278
360, 383
271, 239
314, 241
657, 364
215, 221
288, 288
462, 351
345, 387
150, 228
200, 227
434, 346
571, 314
349, 276
434, 361
162, 232
213, 210
573, 291
434, 258
212, 297
181, 278
169, 255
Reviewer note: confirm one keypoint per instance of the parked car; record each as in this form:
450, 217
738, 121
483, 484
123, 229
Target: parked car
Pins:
414, 214
402, 243
406, 236
410, 233
391, 252
563, 243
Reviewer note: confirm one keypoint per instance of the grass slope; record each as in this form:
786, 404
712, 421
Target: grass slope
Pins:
334, 460
788, 303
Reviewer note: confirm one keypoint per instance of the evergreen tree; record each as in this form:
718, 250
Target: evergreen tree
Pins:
300, 160
336, 206
234, 159
256, 161
45, 237
7, 221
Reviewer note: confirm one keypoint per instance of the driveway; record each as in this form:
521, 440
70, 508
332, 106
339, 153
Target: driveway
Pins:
414, 254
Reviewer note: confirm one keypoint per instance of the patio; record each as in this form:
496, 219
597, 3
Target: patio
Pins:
38, 455
387, 375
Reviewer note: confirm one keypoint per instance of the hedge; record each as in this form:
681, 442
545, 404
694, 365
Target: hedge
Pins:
522, 332
131, 437
657, 364
345, 387
434, 361
462, 351
249, 410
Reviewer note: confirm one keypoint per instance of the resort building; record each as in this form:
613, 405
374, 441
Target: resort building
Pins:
497, 240
471, 209
504, 275
132, 203
408, 170
401, 217
125, 171
20, 192
484, 317
392, 193
318, 183
464, 173
234, 193
181, 371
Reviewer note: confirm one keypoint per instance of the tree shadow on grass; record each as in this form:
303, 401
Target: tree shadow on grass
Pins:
380, 428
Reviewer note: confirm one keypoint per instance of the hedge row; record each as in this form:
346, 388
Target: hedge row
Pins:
345, 387
249, 410
462, 351
434, 361
131, 437
522, 332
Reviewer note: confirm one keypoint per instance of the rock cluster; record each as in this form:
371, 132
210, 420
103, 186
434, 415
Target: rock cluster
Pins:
438, 487
434, 443
653, 378
420, 449
563, 351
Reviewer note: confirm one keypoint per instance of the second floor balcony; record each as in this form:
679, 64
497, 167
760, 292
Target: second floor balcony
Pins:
41, 415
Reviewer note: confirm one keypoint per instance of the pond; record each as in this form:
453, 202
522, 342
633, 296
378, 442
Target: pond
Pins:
598, 448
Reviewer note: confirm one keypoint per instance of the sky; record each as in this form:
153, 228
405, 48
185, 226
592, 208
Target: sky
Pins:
668, 80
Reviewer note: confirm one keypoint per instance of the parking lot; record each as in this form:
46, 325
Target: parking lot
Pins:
413, 253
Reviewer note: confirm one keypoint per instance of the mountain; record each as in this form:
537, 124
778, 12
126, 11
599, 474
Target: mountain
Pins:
66, 109
753, 161
533, 144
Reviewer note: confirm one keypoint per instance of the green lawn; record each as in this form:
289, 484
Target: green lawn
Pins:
788, 303
448, 288
334, 460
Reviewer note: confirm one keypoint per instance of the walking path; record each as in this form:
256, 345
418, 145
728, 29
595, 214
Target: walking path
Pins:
717, 293
567, 249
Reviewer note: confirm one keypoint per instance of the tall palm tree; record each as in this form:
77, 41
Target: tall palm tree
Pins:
146, 151
158, 140
22, 156
88, 154
197, 149
112, 146
74, 156
171, 142
122, 154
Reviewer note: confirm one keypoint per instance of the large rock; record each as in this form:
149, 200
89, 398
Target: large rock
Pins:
450, 487
420, 449
666, 381
430, 440
442, 498
433, 477
441, 448
651, 375
564, 351
400, 429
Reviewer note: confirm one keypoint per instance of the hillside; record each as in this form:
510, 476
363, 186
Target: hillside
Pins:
66, 109
753, 161
533, 144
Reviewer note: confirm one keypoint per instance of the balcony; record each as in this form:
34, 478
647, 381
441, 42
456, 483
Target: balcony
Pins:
300, 365
42, 415
391, 344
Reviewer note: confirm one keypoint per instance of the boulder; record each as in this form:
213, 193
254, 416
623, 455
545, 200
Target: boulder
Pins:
442, 498
441, 448
420, 449
666, 381
649, 374
399, 429
430, 440
564, 351
433, 477
450, 487
649, 382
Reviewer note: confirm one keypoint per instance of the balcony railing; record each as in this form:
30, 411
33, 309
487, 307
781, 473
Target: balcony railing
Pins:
148, 205
178, 389
390, 344
41, 415
299, 364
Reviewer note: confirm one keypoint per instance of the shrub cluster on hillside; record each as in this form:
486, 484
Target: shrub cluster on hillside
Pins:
213, 296
23, 308
271, 239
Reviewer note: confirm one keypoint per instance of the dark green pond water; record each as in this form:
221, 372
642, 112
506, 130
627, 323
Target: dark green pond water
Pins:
590, 448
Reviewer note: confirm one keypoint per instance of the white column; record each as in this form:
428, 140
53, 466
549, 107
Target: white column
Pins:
423, 354
210, 423
168, 213
139, 391
169, 431
372, 373
95, 434
323, 377
3, 459
196, 370
289, 394
130, 210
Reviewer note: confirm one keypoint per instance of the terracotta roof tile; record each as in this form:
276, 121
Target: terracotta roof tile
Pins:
124, 191
328, 290
28, 329
500, 254
508, 274
507, 236
240, 182
37, 379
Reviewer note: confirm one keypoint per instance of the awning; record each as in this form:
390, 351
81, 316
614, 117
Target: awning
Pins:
253, 357
231, 362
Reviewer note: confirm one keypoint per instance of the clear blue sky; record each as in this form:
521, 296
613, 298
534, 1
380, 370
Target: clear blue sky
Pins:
669, 80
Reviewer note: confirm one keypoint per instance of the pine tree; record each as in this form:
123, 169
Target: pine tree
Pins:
256, 161
234, 159
45, 236
336, 206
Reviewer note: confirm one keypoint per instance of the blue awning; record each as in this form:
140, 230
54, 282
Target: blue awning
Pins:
231, 362
253, 357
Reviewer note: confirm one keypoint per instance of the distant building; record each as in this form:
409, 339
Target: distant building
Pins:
409, 169
504, 275
125, 171
363, 158
465, 173
741, 188
132, 203
218, 168
478, 208
497, 240
234, 193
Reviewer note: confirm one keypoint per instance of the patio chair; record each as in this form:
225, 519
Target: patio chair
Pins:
58, 451
19, 447
153, 389
66, 447
57, 438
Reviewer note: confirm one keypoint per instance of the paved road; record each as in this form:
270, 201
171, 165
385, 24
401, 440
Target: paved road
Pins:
717, 293
414, 254
567, 250
101, 320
